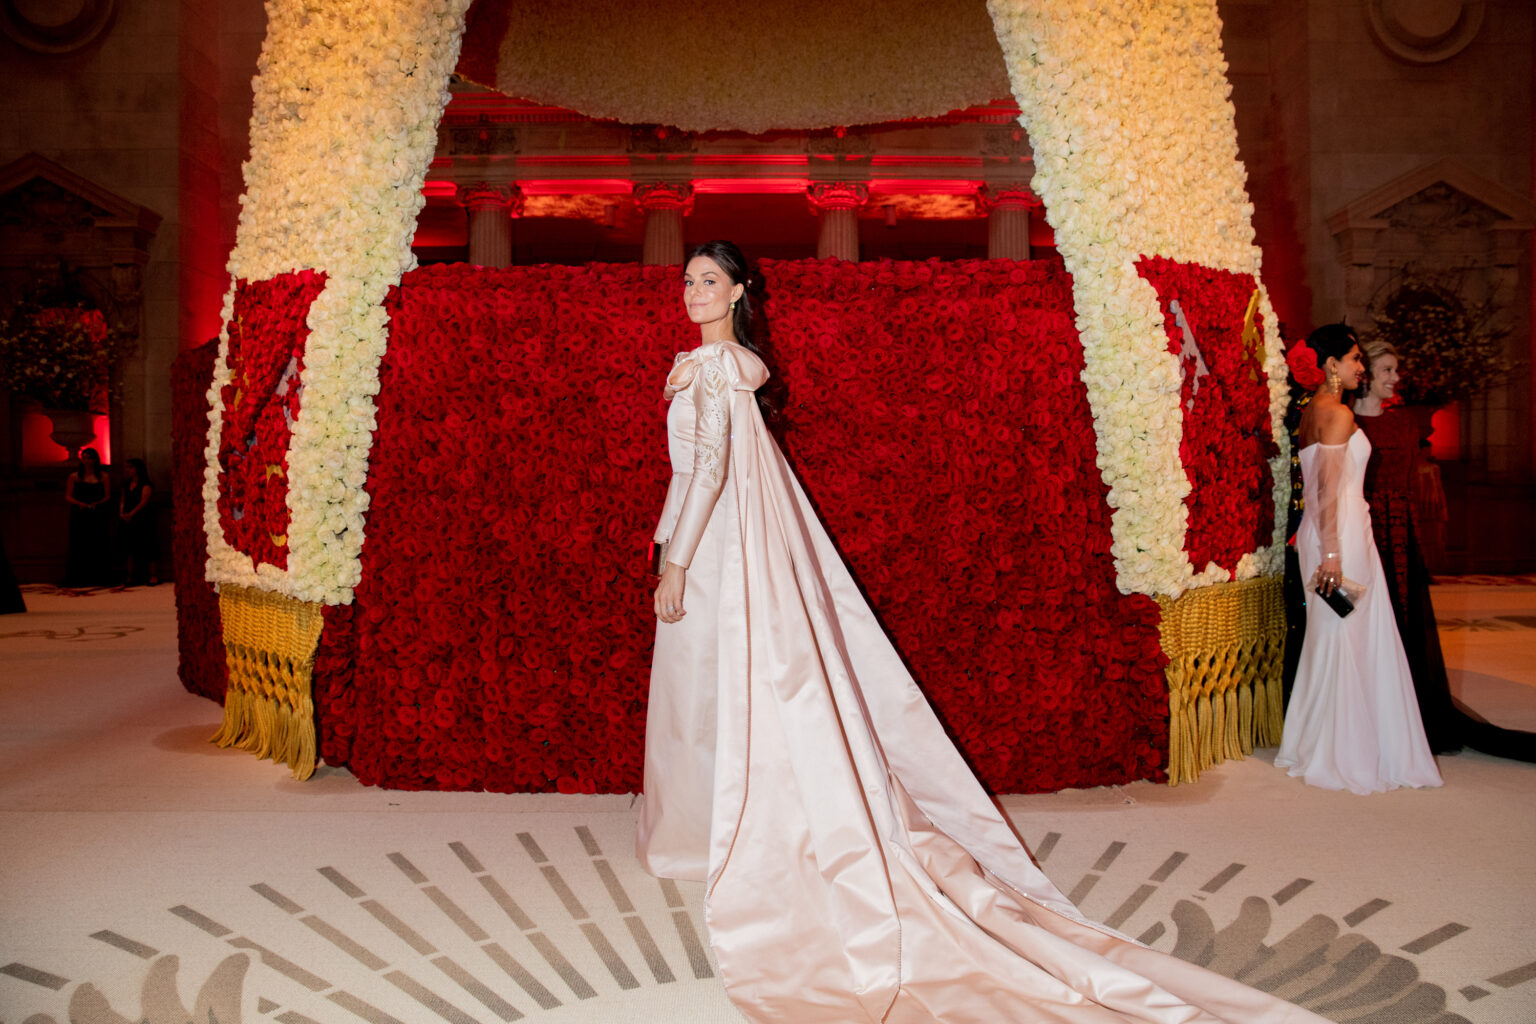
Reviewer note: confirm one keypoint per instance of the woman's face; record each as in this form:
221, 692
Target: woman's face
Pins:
708, 291
1383, 376
1350, 369
90, 460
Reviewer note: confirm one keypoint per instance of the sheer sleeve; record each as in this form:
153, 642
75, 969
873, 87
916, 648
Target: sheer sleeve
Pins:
711, 457
1332, 468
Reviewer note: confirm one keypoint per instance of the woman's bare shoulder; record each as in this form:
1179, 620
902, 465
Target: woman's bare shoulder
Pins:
1333, 422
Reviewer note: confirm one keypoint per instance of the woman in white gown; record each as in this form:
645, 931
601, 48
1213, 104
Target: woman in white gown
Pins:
1353, 720
854, 868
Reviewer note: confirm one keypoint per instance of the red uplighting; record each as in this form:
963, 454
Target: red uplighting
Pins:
1445, 434
39, 449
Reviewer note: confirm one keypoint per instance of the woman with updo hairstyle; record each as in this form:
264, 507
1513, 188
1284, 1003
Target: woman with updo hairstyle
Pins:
1352, 722
1391, 483
853, 867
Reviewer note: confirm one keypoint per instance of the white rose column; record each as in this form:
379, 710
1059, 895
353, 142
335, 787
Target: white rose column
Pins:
343, 126
1135, 155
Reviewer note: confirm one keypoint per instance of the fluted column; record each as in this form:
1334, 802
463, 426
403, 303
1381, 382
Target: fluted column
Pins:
665, 204
838, 203
1008, 208
491, 209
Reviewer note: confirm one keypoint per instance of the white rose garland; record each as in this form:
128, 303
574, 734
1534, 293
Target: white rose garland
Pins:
347, 97
1135, 148
1135, 151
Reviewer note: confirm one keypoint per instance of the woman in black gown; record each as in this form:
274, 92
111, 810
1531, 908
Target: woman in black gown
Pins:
89, 562
1389, 489
138, 525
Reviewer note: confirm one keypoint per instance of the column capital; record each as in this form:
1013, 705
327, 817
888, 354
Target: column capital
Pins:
664, 195
484, 196
1006, 197
837, 195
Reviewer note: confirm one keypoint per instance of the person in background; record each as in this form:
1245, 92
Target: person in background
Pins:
1391, 477
89, 562
139, 537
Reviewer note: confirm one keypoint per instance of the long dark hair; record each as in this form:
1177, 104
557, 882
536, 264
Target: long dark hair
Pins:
140, 471
1332, 341
771, 397
729, 257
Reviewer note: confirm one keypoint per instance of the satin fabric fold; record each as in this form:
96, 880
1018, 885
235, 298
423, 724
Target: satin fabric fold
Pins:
855, 869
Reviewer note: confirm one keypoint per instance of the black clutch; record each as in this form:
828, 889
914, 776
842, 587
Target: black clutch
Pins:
1337, 600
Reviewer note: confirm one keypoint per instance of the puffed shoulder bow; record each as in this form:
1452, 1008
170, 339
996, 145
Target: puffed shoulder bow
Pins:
743, 368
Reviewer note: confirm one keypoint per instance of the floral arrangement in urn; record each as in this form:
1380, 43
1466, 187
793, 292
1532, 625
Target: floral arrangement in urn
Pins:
1452, 348
61, 356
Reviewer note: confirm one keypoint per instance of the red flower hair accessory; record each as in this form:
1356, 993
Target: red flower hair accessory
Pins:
1302, 360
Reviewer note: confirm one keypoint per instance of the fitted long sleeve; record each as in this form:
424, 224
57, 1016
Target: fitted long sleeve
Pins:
1332, 468
711, 458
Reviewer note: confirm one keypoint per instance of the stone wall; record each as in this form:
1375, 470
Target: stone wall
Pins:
154, 109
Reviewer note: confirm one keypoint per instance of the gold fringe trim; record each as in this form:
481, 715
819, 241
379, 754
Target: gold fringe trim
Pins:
1226, 651
269, 646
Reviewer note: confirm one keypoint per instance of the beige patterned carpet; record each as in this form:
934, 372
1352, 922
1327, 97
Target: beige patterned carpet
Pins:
148, 876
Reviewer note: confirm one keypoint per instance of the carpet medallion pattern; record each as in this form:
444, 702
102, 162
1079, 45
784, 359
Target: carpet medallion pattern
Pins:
148, 877
561, 926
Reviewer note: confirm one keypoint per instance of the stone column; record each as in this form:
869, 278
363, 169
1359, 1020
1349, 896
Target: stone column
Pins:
665, 204
838, 203
1008, 208
491, 209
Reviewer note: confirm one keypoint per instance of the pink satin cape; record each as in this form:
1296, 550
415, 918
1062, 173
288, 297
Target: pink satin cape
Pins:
855, 869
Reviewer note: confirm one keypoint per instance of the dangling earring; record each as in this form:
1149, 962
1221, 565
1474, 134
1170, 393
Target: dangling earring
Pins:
733, 305
1335, 382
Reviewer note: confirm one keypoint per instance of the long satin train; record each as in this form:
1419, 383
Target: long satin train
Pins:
856, 870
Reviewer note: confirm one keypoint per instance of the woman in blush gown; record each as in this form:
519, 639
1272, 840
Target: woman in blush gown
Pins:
1353, 722
854, 868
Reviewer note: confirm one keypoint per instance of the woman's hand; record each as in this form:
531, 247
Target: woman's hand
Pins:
669, 593
1329, 575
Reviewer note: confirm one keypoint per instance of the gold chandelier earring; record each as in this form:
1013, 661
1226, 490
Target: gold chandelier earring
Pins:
1335, 383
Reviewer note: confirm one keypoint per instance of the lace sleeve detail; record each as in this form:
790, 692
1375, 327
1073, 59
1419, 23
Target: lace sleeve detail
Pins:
712, 432
711, 461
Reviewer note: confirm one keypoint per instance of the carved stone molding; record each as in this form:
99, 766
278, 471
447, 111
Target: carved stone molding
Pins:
486, 196
1424, 31
49, 215
991, 197
75, 24
837, 195
1442, 214
664, 195
44, 208
484, 138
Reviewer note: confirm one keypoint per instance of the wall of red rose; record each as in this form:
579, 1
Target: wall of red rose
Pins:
501, 637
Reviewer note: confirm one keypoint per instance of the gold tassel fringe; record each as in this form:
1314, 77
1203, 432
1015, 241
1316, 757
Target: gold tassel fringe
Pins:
269, 647
1226, 651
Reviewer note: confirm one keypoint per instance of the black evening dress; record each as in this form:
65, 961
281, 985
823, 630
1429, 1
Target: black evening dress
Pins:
1389, 481
139, 539
89, 562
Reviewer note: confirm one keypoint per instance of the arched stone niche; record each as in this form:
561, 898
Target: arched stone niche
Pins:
1445, 220
63, 236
